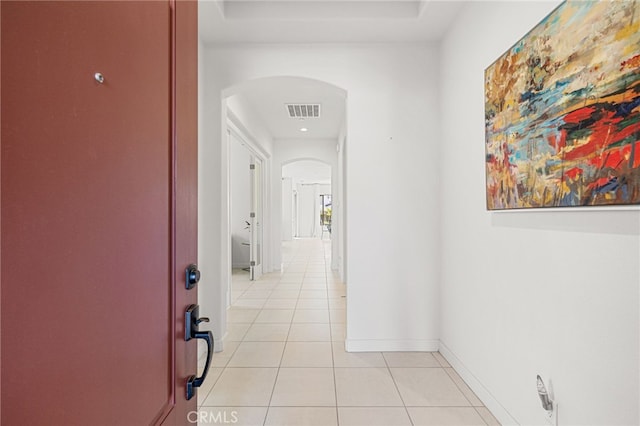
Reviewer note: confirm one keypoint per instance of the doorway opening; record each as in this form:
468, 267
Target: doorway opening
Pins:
306, 200
255, 115
246, 177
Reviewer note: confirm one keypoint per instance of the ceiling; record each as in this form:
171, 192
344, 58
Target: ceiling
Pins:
315, 21
268, 98
324, 21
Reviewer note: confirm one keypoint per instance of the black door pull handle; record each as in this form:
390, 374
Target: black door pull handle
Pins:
191, 320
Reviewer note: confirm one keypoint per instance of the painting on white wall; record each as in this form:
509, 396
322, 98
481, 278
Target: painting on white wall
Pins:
562, 111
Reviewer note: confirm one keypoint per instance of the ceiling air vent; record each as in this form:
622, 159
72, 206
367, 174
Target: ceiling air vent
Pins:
303, 110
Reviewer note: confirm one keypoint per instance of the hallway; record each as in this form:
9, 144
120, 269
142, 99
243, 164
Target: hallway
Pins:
284, 361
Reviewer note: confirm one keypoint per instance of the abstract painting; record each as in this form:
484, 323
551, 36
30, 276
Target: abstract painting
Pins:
562, 111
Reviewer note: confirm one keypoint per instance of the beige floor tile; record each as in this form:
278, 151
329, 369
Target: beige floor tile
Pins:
304, 387
212, 377
296, 269
235, 295
292, 277
275, 316
338, 316
302, 416
443, 362
307, 354
236, 315
246, 387
257, 354
236, 331
243, 303
341, 358
256, 294
340, 303
264, 285
316, 278
313, 304
287, 286
428, 387
311, 316
487, 416
267, 333
338, 333
285, 294
314, 286
373, 416
410, 359
445, 416
316, 270
221, 359
238, 416
241, 285
313, 294
309, 333
280, 304
334, 293
271, 275
464, 388
362, 387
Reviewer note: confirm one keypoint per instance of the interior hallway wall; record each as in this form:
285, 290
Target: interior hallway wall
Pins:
530, 292
288, 213
391, 178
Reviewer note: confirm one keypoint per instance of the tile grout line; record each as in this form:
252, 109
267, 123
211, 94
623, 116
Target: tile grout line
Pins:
397, 388
333, 361
224, 367
462, 392
286, 342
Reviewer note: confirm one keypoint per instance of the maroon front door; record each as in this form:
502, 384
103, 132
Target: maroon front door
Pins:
98, 210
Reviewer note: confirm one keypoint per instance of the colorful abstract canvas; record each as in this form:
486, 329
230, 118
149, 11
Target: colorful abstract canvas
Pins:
562, 111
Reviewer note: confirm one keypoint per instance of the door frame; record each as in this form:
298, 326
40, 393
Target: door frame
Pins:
235, 128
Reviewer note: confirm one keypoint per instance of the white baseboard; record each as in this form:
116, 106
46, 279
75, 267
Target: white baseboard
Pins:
489, 401
391, 345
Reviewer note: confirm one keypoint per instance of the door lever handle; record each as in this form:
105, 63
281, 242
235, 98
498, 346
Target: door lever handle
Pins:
191, 321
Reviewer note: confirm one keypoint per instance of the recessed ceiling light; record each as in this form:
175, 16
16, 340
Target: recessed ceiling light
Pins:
304, 129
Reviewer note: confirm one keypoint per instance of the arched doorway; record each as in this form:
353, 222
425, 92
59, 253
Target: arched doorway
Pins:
307, 207
247, 112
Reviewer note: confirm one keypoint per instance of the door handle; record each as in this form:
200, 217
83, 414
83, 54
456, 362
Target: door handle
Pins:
192, 320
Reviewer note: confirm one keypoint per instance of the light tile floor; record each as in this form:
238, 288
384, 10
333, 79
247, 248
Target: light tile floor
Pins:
284, 361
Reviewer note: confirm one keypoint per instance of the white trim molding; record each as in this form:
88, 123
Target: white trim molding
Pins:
478, 387
352, 345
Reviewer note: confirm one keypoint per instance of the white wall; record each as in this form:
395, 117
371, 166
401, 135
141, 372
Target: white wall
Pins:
526, 293
339, 207
392, 134
287, 209
251, 122
240, 198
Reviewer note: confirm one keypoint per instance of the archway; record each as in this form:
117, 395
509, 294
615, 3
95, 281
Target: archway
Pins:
238, 118
307, 207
